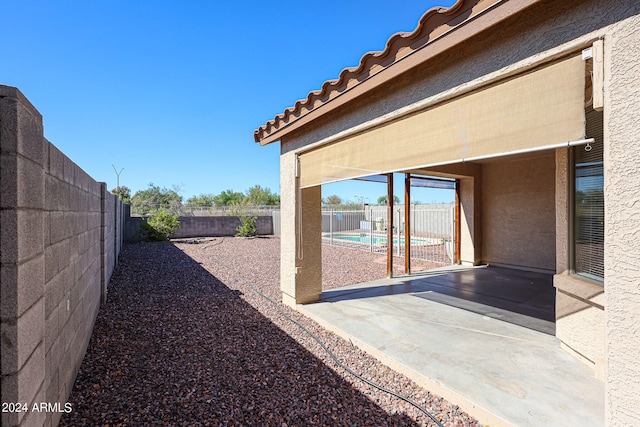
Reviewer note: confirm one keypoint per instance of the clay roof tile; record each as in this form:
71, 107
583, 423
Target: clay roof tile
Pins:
434, 23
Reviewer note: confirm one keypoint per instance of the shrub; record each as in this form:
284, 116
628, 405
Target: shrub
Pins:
160, 225
247, 227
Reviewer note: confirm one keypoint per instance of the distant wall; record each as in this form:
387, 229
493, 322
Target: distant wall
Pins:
201, 226
60, 236
519, 212
193, 226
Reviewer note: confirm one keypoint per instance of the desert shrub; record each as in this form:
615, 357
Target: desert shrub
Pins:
160, 225
248, 226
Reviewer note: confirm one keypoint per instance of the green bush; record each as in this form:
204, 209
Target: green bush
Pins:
247, 227
160, 225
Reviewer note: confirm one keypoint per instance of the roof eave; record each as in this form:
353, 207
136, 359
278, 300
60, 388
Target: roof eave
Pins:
463, 31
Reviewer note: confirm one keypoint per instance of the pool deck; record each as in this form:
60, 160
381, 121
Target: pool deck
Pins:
473, 351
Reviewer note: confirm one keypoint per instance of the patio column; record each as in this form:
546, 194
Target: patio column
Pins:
407, 223
470, 218
301, 239
390, 225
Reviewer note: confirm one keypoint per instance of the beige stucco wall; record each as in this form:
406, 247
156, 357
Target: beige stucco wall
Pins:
580, 320
300, 242
622, 221
470, 201
518, 212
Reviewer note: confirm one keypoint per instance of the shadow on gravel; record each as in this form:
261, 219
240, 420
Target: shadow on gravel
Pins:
175, 346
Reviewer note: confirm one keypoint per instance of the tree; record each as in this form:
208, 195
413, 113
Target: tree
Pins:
258, 196
351, 206
254, 196
123, 192
382, 200
202, 200
155, 197
228, 197
333, 200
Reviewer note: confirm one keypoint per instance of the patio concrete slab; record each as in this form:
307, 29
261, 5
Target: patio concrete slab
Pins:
502, 373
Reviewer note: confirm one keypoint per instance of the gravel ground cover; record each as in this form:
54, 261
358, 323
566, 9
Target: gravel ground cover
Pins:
185, 340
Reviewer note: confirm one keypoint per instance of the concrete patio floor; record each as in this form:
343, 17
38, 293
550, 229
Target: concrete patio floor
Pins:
454, 332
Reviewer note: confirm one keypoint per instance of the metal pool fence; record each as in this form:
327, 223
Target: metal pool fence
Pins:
432, 231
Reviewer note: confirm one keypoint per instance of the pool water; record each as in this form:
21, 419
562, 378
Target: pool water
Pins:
380, 240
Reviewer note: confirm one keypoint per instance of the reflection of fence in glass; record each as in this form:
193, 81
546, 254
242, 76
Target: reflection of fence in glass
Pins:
432, 231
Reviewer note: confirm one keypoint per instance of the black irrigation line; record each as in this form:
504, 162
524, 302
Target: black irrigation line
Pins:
320, 343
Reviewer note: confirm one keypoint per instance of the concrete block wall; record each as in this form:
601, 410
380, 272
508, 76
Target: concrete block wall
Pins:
200, 226
111, 235
60, 234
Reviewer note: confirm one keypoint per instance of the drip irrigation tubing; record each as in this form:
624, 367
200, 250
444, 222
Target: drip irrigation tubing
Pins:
337, 361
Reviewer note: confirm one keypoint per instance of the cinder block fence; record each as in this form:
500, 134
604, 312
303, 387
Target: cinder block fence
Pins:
60, 236
198, 226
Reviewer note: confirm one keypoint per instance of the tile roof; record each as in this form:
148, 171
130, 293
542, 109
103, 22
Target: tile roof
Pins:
435, 23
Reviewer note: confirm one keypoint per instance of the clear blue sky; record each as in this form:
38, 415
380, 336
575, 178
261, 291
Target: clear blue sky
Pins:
172, 91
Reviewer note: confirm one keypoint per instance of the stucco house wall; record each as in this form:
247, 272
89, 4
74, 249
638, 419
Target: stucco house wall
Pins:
622, 223
598, 323
518, 212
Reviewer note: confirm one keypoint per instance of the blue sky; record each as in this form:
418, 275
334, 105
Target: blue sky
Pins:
172, 91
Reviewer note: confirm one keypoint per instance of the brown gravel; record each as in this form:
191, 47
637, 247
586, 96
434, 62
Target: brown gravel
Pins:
184, 340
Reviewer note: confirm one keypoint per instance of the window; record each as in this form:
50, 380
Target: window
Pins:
588, 209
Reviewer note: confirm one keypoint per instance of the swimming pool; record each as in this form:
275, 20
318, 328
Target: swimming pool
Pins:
380, 240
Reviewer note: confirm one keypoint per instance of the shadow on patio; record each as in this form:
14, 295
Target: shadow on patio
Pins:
523, 298
453, 333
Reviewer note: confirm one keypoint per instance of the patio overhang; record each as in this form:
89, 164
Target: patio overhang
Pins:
534, 110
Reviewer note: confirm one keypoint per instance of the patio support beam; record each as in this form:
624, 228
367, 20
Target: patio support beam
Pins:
456, 256
390, 225
407, 223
